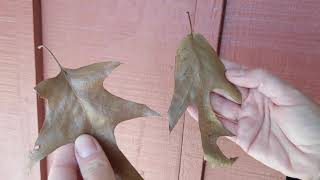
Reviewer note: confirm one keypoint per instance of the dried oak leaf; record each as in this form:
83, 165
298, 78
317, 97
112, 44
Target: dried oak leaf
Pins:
77, 103
198, 71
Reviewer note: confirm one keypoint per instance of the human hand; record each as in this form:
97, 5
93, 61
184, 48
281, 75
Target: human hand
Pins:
276, 124
85, 154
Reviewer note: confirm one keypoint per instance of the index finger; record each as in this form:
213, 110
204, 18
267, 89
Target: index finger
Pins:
232, 65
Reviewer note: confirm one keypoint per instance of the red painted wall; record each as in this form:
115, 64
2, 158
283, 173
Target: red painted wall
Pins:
281, 36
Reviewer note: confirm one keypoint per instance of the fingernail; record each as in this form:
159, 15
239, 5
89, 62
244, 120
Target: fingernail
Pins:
235, 72
85, 146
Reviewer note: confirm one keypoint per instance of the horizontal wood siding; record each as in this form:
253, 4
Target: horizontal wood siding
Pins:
18, 101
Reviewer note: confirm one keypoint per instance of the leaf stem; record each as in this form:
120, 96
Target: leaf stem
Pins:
191, 29
54, 57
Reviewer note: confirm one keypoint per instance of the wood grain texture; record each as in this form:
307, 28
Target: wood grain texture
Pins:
18, 102
144, 36
245, 167
281, 36
207, 21
192, 153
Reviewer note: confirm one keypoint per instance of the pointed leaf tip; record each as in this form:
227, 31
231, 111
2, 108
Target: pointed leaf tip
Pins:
151, 113
95, 104
198, 70
117, 63
171, 126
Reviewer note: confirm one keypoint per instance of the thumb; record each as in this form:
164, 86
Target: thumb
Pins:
93, 163
279, 91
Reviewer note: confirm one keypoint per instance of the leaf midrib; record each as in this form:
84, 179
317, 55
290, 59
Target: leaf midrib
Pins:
65, 74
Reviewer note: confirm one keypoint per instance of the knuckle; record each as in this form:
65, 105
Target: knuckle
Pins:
262, 72
93, 168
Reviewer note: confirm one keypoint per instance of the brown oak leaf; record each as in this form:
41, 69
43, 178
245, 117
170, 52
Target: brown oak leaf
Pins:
77, 103
198, 71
